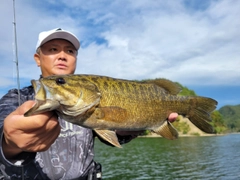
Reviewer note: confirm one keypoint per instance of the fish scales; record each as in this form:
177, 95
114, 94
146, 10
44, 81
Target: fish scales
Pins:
105, 103
152, 99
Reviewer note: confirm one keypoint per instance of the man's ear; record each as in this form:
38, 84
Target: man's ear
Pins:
37, 59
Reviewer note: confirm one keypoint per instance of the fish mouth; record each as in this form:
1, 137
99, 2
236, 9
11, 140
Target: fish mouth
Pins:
45, 101
42, 103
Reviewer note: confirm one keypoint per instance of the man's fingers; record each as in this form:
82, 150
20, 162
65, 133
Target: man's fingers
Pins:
32, 122
172, 117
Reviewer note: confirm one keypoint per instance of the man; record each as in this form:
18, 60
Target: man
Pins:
44, 146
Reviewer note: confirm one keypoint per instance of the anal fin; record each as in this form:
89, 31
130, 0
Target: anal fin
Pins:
167, 131
109, 136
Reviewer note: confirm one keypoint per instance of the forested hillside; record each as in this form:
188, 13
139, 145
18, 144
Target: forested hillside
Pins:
231, 116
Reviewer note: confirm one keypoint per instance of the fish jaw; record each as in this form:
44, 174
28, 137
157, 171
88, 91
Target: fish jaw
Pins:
43, 100
42, 106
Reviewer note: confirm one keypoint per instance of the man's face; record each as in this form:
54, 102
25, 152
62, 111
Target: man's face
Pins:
56, 57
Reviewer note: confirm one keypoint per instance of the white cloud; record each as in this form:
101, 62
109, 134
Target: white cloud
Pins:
142, 39
200, 47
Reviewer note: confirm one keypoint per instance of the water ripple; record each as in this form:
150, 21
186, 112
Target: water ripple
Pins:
216, 157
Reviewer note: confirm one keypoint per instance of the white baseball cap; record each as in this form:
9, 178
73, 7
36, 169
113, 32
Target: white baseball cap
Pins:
57, 33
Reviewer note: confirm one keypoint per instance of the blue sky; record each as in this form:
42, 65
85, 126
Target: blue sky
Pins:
193, 42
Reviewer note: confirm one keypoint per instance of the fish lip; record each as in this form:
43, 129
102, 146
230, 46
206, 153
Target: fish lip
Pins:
39, 87
36, 85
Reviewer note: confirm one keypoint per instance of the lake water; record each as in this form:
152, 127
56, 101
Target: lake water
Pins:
212, 157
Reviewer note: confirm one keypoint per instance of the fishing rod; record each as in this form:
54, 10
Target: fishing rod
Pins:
16, 51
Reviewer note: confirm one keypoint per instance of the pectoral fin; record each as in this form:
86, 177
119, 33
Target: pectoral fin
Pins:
109, 136
167, 131
111, 113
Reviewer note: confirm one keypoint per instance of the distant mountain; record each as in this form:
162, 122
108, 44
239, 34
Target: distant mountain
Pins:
231, 116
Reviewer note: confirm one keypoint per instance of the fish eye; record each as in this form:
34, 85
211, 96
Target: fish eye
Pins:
60, 81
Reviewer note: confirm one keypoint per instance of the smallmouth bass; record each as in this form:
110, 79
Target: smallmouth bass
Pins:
106, 104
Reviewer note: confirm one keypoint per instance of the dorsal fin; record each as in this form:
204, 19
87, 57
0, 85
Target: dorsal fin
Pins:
169, 86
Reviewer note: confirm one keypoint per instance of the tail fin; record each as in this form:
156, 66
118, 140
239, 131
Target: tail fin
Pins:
199, 115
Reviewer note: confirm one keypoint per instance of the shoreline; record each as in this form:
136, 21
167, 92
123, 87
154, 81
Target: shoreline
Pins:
186, 135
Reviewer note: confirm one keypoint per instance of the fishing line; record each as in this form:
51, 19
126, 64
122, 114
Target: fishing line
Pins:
16, 51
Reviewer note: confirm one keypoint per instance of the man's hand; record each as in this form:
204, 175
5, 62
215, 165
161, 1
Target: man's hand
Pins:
32, 134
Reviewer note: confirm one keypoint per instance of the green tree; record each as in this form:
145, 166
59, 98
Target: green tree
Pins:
231, 116
218, 122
